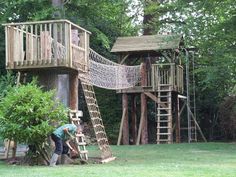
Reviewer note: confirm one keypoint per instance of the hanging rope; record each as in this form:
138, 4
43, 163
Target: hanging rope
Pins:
110, 75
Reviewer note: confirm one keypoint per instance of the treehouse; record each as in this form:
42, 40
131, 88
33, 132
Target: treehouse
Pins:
59, 44
58, 53
161, 81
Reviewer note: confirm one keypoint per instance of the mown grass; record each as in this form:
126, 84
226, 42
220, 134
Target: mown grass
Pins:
176, 160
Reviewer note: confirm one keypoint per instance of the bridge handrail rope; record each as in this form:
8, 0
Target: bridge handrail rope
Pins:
110, 75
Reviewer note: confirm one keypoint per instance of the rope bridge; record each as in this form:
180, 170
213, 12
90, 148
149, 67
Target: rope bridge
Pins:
110, 75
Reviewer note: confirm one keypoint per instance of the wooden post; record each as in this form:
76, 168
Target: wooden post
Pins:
73, 88
177, 117
134, 118
144, 135
121, 126
125, 132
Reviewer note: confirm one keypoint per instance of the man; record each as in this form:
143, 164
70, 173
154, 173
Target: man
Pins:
62, 136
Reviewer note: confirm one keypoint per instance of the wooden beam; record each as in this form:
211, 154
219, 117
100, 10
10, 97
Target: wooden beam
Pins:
121, 126
203, 137
140, 129
108, 160
124, 58
154, 98
167, 57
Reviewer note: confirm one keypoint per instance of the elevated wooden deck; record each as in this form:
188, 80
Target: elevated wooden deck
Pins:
46, 45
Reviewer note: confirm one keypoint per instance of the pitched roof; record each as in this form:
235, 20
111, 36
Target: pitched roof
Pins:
146, 43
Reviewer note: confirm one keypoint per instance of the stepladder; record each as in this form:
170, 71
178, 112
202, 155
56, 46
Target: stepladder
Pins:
79, 141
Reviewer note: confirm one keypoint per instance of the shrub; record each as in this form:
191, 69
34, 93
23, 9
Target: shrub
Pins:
28, 115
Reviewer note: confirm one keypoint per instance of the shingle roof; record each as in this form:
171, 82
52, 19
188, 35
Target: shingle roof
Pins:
146, 43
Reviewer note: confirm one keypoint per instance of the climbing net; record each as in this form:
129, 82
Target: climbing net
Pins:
110, 75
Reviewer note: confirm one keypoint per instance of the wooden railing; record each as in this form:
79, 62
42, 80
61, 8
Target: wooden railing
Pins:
167, 74
46, 44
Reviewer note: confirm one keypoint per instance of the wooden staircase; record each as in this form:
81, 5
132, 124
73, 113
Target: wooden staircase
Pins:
79, 140
96, 119
164, 115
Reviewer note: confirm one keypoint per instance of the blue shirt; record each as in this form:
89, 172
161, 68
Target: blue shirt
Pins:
59, 132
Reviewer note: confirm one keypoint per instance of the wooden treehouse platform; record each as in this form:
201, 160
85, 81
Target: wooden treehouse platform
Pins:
56, 44
161, 75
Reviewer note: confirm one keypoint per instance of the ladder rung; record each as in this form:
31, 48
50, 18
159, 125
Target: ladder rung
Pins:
167, 140
163, 114
163, 134
164, 96
79, 135
159, 121
100, 132
163, 108
75, 119
98, 125
83, 152
164, 127
81, 143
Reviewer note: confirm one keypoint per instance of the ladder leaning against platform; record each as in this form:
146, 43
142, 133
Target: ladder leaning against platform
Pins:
80, 141
96, 119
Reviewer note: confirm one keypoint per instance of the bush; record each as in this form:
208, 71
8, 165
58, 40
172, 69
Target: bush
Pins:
28, 115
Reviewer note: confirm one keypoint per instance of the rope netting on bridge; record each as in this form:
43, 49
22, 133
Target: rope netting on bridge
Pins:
110, 75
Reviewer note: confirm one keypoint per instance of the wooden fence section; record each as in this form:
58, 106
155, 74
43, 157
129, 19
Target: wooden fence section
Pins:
46, 44
167, 74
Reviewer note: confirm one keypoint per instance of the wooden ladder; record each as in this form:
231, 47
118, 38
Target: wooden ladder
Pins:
164, 115
80, 139
97, 122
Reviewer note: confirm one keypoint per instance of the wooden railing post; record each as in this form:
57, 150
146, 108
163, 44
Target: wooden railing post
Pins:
70, 47
6, 45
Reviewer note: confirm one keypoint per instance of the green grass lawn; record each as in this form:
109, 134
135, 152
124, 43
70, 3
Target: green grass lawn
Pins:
176, 160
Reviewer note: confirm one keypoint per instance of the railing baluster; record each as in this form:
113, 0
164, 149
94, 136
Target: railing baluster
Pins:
31, 43
41, 41
55, 42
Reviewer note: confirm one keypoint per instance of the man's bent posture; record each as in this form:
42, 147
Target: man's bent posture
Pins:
61, 136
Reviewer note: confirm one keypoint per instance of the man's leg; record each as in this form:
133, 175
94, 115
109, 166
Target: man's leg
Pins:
64, 156
58, 150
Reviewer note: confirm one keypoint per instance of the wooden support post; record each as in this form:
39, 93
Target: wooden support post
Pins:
125, 132
140, 128
121, 126
144, 135
134, 118
177, 117
73, 89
